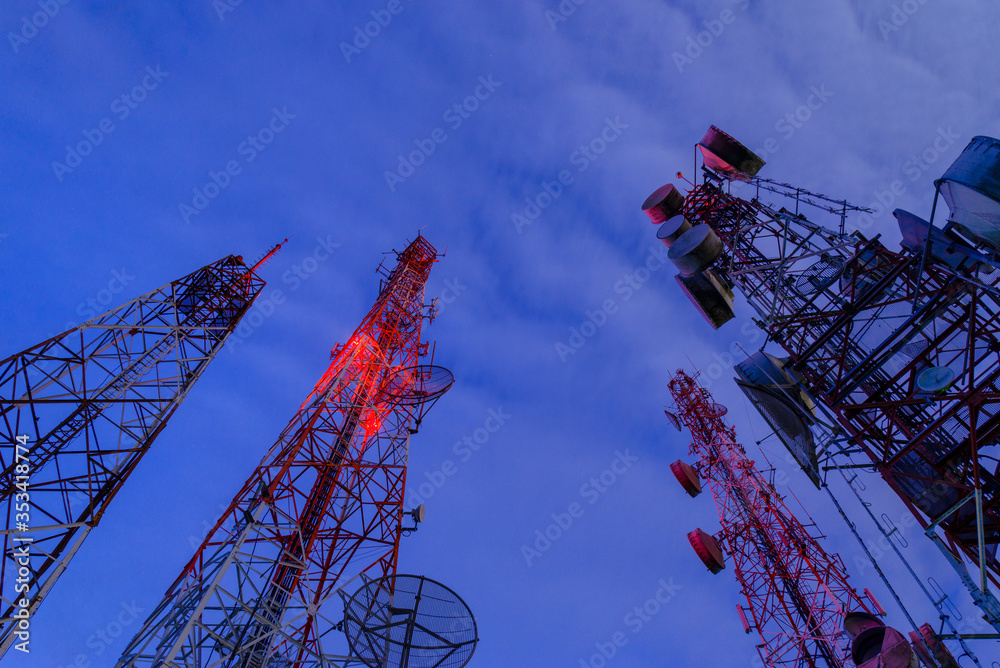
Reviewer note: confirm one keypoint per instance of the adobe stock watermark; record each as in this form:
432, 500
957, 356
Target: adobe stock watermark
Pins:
454, 116
195, 540
31, 25
635, 620
581, 158
100, 302
249, 148
625, 288
88, 309
464, 449
265, 305
714, 28
793, 121
449, 294
122, 107
914, 168
591, 491
565, 9
223, 7
363, 36
900, 16
100, 640
723, 363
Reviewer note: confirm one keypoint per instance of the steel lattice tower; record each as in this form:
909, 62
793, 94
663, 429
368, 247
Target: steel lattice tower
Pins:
81, 409
797, 593
860, 323
325, 505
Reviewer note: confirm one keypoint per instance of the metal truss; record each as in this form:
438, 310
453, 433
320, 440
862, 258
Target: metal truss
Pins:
324, 507
78, 412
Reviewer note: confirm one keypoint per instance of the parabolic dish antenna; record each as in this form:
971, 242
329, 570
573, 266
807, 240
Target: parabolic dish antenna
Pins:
971, 187
415, 385
820, 275
409, 621
674, 420
936, 379
727, 156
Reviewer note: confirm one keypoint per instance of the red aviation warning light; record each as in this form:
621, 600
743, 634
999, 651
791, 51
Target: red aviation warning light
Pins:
324, 512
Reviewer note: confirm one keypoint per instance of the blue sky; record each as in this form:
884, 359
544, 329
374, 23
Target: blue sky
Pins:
889, 81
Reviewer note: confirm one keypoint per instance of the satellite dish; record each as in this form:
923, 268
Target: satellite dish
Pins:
409, 621
857, 622
936, 379
788, 410
819, 275
673, 228
763, 368
708, 550
944, 249
882, 647
695, 250
687, 477
419, 513
664, 203
710, 295
674, 420
415, 385
727, 156
971, 187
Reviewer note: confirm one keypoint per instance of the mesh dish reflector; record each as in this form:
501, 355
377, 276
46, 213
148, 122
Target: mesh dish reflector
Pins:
821, 274
971, 187
409, 621
415, 385
675, 421
789, 422
784, 406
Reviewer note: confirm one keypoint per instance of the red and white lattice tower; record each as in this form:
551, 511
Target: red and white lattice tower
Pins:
892, 355
797, 593
78, 412
324, 506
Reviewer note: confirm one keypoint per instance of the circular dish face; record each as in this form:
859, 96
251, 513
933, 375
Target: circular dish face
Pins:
409, 621
414, 385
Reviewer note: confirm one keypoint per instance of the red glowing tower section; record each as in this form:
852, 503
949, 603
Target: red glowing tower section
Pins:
797, 593
324, 506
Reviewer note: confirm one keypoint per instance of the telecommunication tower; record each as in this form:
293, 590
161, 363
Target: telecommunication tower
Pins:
81, 409
891, 356
323, 509
797, 594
